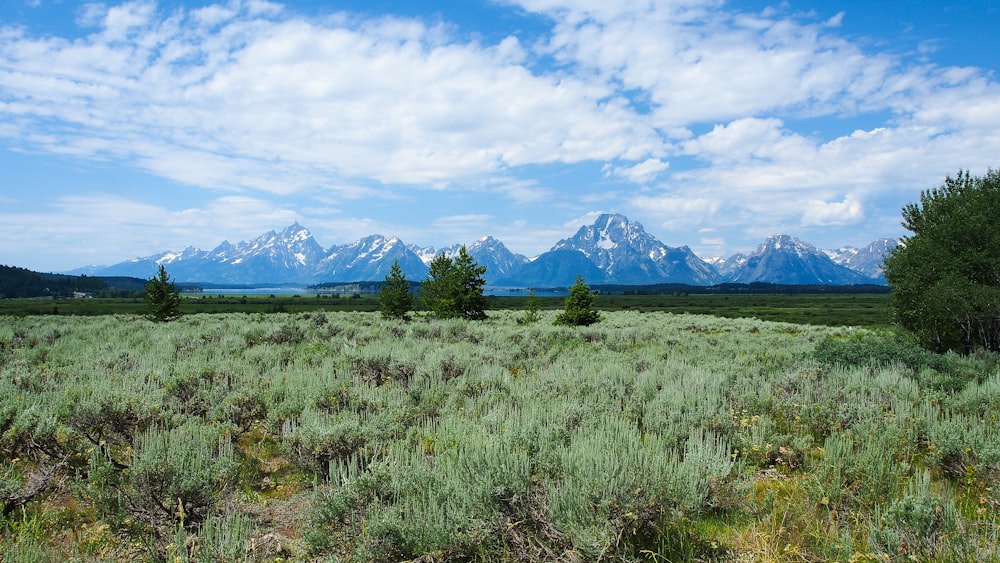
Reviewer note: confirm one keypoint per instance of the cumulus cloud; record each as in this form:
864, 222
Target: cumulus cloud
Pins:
642, 173
717, 114
698, 62
827, 213
239, 96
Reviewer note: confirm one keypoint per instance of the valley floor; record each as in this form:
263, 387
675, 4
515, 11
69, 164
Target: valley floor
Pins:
339, 436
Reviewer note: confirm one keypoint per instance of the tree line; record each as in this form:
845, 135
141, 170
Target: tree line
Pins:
22, 283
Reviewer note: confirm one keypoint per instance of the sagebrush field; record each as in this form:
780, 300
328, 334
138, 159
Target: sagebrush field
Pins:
337, 436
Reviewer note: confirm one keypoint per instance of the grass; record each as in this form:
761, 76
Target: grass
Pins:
848, 309
651, 436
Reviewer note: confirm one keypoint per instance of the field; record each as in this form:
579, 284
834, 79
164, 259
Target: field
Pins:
860, 309
338, 436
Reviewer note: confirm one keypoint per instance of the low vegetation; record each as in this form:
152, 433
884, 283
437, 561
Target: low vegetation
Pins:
833, 309
343, 436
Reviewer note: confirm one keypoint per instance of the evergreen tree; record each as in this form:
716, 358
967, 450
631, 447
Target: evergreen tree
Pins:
470, 303
579, 306
395, 299
163, 299
454, 288
945, 277
530, 315
438, 288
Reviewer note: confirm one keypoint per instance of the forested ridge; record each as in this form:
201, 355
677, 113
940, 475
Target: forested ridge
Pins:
21, 283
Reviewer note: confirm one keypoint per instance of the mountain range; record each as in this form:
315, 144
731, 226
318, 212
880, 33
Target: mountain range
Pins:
614, 250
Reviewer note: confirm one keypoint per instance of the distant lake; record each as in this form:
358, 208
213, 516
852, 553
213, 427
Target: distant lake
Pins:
290, 290
255, 291
523, 292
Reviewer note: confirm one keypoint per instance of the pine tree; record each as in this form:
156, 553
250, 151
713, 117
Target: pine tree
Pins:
163, 299
470, 303
395, 299
579, 306
454, 288
530, 315
438, 288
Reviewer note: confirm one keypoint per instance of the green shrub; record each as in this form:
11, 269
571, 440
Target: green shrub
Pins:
865, 348
178, 475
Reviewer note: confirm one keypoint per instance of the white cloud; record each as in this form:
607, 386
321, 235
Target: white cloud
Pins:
84, 226
701, 63
282, 104
642, 173
718, 115
821, 213
520, 191
587, 219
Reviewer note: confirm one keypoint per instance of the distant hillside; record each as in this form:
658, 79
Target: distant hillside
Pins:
23, 283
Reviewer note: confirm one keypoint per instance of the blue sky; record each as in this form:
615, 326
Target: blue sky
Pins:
130, 128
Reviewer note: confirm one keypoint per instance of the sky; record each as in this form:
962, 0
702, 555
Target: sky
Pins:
133, 128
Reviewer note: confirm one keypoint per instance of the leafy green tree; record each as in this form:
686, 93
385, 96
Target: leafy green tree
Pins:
454, 288
945, 277
163, 299
579, 306
395, 300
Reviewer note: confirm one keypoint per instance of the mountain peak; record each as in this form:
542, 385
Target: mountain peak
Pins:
784, 259
781, 241
612, 250
606, 220
626, 253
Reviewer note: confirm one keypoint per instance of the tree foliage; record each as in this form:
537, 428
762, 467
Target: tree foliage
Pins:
945, 277
454, 288
531, 307
579, 306
395, 300
163, 299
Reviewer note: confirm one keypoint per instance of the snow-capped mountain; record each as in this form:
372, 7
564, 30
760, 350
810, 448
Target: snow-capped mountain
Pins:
727, 267
867, 260
613, 250
500, 262
370, 258
283, 257
782, 259
623, 252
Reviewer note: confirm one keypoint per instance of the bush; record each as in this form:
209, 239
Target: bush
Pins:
875, 350
946, 372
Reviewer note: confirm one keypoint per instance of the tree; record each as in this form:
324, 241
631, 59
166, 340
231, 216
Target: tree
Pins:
395, 300
579, 306
454, 288
470, 302
945, 277
438, 288
163, 299
530, 315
